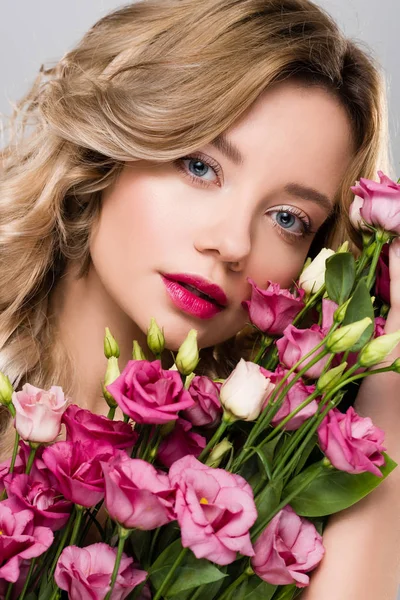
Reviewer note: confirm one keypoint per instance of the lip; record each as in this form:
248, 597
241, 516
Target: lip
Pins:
211, 289
189, 302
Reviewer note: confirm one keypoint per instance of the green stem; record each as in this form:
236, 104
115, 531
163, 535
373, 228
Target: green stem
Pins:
77, 524
111, 413
34, 447
226, 594
215, 438
27, 580
170, 574
15, 452
9, 591
309, 304
374, 262
62, 543
285, 501
123, 535
92, 519
56, 594
3, 494
266, 342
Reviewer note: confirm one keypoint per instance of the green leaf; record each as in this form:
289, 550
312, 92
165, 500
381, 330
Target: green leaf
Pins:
340, 275
191, 573
286, 592
254, 588
312, 442
333, 490
268, 499
359, 307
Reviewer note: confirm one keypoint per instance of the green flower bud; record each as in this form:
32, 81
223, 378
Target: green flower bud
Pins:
344, 247
396, 365
340, 312
378, 349
188, 354
328, 380
189, 380
110, 345
6, 390
155, 338
218, 452
137, 352
111, 375
344, 338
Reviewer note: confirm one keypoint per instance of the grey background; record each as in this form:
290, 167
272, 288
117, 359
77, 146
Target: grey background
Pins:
41, 31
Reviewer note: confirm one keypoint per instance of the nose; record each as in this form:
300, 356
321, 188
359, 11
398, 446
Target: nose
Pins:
228, 237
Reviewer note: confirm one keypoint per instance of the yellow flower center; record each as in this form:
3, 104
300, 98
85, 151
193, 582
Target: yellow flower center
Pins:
203, 501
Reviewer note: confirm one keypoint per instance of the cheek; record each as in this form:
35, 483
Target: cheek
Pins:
278, 261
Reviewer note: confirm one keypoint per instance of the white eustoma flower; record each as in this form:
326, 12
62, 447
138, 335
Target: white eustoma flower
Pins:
245, 391
313, 276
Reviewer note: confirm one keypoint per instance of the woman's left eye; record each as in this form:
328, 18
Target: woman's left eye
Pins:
199, 169
291, 221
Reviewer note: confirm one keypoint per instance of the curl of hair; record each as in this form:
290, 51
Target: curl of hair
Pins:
154, 80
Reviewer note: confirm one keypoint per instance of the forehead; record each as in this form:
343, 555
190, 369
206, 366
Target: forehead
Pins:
295, 129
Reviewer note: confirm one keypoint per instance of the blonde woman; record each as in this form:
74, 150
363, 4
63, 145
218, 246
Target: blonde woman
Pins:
201, 142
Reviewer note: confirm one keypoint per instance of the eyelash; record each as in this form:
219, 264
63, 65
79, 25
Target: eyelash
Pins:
307, 229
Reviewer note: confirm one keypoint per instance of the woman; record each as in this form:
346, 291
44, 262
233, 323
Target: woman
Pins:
183, 140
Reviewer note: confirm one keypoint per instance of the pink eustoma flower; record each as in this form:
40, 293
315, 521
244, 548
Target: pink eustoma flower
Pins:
382, 285
148, 393
78, 471
272, 309
297, 394
84, 426
296, 343
380, 203
287, 549
180, 442
38, 412
352, 443
136, 494
19, 540
49, 508
85, 573
215, 510
207, 409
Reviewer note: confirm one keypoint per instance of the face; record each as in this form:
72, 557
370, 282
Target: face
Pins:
223, 219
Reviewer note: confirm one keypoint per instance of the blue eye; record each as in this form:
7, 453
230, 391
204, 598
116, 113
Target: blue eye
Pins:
199, 170
290, 221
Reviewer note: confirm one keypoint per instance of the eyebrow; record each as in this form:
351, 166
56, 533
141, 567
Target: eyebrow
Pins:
232, 152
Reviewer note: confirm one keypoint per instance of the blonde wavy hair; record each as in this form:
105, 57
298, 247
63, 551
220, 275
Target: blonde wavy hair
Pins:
154, 80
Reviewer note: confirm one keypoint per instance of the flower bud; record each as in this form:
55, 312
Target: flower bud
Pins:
110, 345
343, 247
6, 390
344, 338
218, 452
328, 380
313, 277
244, 393
155, 338
340, 312
376, 350
396, 365
111, 375
188, 354
137, 352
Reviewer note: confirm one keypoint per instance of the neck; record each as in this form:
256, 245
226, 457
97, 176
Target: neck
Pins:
82, 309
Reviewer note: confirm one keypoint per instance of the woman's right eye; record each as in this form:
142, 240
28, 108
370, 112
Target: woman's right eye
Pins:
199, 170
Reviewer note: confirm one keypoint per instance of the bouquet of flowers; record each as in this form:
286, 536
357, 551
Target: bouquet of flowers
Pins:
216, 489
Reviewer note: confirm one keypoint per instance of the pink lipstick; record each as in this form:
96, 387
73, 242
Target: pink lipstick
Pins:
195, 295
